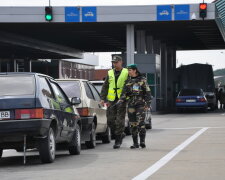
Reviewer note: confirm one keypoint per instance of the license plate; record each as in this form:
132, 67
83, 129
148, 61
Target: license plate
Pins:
190, 100
4, 114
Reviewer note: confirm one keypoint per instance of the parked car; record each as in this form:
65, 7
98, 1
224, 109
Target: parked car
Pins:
191, 99
90, 107
148, 117
33, 106
98, 85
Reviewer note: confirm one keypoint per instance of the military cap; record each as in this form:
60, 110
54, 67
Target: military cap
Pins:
116, 58
132, 66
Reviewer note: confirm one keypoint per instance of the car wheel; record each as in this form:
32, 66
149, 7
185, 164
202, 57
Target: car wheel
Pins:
128, 130
1, 152
92, 143
75, 144
47, 147
205, 110
106, 138
213, 107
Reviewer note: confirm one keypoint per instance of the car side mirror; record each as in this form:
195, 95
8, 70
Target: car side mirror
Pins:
75, 101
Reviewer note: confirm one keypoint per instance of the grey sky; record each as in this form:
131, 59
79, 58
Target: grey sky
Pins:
216, 58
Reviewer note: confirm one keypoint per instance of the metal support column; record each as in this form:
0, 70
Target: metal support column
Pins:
149, 45
169, 78
140, 42
164, 76
130, 43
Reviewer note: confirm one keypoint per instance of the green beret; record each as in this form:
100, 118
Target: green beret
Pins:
132, 66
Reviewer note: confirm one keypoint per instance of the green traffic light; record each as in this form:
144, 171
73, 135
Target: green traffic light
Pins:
48, 17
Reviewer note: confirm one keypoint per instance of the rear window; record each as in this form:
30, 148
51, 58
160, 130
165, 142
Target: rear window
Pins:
191, 92
98, 87
72, 89
17, 85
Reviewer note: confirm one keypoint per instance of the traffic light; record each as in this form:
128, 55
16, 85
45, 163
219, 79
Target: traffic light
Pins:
48, 13
203, 10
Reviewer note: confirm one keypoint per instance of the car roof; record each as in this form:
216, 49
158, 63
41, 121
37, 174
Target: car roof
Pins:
100, 81
24, 73
71, 80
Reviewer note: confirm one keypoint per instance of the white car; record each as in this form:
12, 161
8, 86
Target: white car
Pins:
89, 107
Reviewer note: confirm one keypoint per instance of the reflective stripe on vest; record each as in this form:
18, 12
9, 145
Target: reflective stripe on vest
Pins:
120, 83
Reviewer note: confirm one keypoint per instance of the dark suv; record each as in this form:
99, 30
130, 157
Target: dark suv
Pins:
34, 108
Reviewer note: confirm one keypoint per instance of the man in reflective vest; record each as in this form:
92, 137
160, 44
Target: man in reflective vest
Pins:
111, 92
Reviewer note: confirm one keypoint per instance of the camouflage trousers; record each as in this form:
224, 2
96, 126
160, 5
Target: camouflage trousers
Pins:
116, 117
136, 115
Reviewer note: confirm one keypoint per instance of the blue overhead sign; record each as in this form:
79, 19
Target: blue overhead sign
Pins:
164, 13
72, 14
89, 14
182, 12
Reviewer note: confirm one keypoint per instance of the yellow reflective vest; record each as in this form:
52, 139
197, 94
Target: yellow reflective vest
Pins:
116, 88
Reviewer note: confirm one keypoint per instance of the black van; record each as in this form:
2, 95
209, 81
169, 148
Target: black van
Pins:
33, 106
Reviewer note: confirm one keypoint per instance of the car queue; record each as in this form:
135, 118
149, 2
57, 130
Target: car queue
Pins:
37, 111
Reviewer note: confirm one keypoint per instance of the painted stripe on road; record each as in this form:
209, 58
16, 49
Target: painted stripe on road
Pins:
179, 128
220, 127
155, 167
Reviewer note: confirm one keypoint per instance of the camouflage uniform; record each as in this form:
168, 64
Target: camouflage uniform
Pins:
138, 93
115, 113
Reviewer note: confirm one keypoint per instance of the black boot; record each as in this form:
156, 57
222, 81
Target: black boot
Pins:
142, 141
135, 140
122, 137
117, 142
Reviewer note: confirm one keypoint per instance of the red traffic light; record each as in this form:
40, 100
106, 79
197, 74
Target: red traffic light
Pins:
203, 6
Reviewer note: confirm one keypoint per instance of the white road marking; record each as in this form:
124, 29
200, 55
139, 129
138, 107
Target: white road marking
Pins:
179, 128
222, 127
155, 167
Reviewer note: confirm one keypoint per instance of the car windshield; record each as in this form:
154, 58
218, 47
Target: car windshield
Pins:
17, 85
191, 92
72, 89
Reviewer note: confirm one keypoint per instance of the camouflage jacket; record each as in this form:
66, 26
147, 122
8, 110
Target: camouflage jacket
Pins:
136, 91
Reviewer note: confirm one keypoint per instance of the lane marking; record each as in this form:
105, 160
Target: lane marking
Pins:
179, 128
155, 167
222, 127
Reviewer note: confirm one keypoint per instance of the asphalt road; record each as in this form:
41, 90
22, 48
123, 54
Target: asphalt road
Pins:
180, 146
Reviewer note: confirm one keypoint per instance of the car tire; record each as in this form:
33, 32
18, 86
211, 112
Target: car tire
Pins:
47, 147
106, 138
128, 129
75, 144
92, 143
205, 110
1, 152
213, 107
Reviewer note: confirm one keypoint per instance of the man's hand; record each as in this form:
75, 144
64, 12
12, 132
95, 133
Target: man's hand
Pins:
102, 102
146, 108
119, 102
